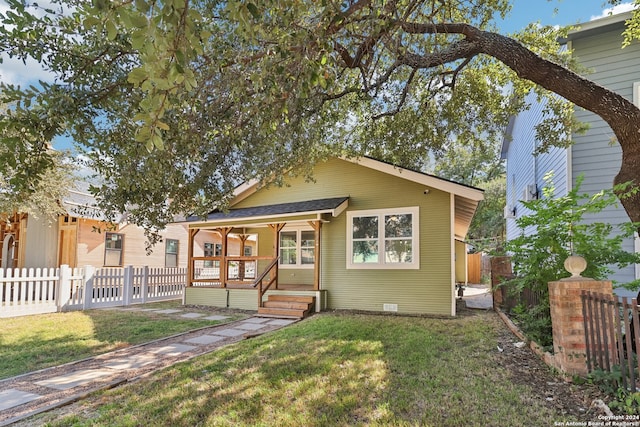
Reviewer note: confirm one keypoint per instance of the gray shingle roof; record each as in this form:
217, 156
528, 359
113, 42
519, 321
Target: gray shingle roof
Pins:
318, 205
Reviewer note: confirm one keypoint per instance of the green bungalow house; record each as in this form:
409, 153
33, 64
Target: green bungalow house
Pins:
364, 235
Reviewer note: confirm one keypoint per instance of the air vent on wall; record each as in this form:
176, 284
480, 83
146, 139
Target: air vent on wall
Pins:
390, 307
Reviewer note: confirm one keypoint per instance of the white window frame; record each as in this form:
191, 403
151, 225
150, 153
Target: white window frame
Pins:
168, 254
382, 264
636, 94
119, 251
298, 264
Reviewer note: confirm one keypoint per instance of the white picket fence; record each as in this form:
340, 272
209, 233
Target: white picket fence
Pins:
47, 290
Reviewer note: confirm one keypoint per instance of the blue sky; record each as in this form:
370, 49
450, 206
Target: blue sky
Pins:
556, 12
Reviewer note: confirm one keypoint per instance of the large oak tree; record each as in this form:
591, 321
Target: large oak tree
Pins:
175, 102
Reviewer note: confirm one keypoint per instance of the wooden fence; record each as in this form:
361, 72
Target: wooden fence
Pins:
474, 268
46, 290
610, 325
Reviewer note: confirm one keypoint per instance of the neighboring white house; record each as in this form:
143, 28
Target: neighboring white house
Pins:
597, 45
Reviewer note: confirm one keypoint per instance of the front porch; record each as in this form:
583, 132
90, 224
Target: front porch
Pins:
267, 244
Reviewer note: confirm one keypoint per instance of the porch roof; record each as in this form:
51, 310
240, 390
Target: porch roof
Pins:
334, 206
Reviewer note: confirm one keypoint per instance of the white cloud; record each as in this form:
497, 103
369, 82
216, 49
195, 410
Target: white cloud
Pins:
13, 71
621, 8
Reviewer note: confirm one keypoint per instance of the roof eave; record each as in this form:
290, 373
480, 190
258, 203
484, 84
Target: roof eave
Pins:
264, 219
597, 26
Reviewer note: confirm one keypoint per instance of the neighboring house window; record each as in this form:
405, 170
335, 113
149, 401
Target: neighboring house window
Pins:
171, 253
114, 242
297, 248
208, 249
636, 94
383, 238
248, 251
211, 250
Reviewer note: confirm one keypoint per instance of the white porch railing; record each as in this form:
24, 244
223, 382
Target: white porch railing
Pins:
46, 290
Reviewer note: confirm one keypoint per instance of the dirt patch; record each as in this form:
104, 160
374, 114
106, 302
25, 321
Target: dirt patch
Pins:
548, 386
526, 368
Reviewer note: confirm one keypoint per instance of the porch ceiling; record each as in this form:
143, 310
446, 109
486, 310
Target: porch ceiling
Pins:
308, 209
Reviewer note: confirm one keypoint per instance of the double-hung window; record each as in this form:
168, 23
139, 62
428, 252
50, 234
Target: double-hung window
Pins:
383, 238
113, 244
297, 248
171, 253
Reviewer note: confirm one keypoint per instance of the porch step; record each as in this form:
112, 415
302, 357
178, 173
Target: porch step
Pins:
291, 313
296, 298
287, 306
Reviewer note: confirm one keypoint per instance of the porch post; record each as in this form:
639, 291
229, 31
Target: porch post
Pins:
243, 238
190, 272
276, 247
224, 233
317, 226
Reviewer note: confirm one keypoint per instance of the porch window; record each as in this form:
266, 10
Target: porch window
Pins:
383, 238
113, 244
171, 253
297, 248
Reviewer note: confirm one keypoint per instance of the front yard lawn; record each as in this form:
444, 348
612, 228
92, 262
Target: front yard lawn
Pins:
29, 343
339, 369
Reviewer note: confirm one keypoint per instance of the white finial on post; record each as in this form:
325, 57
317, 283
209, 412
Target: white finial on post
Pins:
575, 265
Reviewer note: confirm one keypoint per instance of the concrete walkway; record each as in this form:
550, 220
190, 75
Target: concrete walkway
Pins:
478, 297
40, 391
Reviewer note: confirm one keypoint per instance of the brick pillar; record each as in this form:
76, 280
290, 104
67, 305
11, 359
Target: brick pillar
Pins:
567, 319
500, 270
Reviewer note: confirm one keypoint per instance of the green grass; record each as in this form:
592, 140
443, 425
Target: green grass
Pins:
331, 370
30, 343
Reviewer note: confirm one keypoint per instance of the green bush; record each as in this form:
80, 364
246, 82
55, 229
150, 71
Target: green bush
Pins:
557, 228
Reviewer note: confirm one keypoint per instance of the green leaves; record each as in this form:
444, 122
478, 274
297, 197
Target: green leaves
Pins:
190, 98
137, 76
557, 227
632, 30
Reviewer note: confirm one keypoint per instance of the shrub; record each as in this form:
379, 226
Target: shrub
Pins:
559, 227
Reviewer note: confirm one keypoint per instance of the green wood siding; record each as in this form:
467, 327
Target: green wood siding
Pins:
244, 299
205, 296
427, 290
